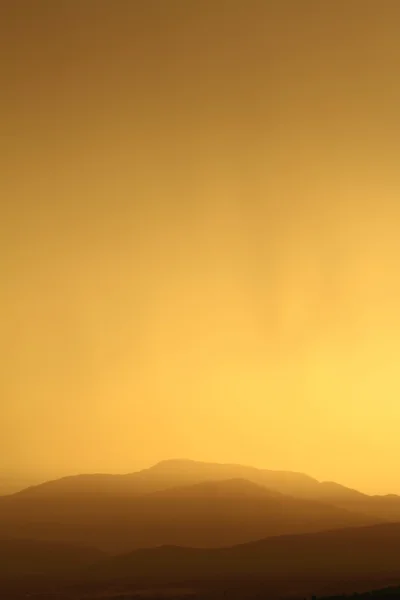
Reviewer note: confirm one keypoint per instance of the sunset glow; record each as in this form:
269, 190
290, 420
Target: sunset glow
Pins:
199, 236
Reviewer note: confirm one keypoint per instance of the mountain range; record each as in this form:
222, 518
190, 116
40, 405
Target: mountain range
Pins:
184, 503
177, 473
184, 522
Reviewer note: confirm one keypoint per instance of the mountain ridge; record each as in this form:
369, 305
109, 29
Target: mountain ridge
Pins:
182, 471
207, 514
176, 472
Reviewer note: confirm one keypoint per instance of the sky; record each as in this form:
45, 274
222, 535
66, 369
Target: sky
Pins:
199, 236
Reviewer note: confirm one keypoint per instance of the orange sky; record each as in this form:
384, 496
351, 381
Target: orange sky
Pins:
199, 237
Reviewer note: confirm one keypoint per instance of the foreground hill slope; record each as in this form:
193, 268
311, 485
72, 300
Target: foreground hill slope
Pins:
347, 560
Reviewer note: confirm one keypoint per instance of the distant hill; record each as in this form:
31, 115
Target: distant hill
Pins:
173, 473
208, 514
177, 473
385, 507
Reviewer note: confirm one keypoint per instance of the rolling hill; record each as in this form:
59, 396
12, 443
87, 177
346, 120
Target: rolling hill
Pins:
342, 560
329, 562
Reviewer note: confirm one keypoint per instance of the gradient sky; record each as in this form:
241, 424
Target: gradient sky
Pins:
200, 235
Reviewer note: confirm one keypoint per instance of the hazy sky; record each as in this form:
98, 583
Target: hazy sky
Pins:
200, 235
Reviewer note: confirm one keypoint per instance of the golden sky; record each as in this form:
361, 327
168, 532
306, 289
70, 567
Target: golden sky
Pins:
200, 235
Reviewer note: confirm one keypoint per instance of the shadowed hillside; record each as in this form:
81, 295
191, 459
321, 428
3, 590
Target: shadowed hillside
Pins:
334, 561
346, 552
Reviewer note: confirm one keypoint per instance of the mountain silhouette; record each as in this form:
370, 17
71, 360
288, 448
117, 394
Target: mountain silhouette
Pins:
167, 528
207, 514
172, 473
178, 473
